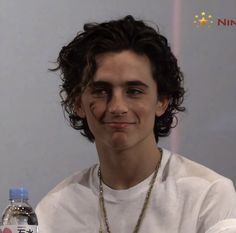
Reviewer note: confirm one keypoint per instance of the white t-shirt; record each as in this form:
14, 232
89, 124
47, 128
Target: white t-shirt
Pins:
186, 198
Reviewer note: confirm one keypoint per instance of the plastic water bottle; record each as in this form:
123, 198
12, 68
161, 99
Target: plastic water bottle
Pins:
19, 216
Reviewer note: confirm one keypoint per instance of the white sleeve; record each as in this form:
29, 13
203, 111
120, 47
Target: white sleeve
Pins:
219, 204
224, 226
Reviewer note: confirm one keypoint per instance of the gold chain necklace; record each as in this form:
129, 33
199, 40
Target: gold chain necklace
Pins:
145, 204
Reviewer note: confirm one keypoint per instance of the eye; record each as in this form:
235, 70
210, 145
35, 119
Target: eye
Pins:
134, 92
100, 92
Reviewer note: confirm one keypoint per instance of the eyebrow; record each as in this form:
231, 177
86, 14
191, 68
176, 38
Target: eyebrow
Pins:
100, 84
136, 83
128, 83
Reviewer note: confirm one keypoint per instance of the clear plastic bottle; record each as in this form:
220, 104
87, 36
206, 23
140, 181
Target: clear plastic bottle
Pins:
19, 216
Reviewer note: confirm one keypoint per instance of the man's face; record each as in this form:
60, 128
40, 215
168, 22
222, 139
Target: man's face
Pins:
121, 103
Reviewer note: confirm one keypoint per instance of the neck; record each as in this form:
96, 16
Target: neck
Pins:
124, 168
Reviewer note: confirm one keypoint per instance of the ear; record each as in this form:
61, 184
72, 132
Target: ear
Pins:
162, 105
79, 109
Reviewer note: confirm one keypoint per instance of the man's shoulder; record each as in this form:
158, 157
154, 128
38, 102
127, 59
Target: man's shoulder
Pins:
81, 177
72, 194
199, 185
80, 180
183, 169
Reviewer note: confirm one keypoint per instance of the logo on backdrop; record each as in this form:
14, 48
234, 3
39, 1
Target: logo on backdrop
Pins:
203, 20
206, 20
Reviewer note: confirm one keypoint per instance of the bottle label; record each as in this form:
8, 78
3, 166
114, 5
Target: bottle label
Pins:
19, 229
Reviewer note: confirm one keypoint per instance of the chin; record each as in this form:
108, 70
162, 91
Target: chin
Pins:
119, 142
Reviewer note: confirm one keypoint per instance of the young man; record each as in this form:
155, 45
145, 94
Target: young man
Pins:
122, 89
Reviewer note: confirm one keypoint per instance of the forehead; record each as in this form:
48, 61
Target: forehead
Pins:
122, 67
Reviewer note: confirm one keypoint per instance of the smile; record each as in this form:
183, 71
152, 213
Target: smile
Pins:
119, 125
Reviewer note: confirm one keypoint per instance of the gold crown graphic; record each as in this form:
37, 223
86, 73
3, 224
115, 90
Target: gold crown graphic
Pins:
203, 20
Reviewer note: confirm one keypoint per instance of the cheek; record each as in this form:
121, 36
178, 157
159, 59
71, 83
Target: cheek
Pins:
146, 114
146, 108
95, 109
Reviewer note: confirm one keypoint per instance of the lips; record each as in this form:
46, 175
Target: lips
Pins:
119, 125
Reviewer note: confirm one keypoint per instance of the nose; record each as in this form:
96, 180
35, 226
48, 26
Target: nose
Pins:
117, 104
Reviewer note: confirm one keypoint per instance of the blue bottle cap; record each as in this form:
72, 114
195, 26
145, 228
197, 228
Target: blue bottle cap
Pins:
18, 193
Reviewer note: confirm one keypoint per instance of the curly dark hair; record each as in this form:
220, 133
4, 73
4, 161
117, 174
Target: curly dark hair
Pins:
77, 63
